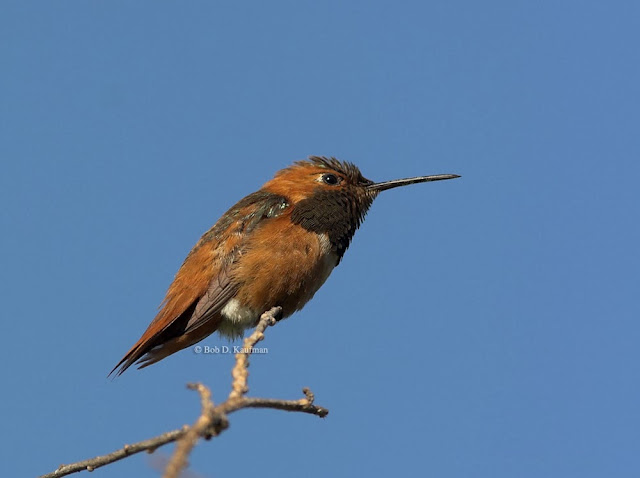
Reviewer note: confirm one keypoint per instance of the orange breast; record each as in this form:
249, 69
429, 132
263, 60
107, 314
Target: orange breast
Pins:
283, 264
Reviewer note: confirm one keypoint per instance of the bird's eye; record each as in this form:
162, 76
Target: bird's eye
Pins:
330, 179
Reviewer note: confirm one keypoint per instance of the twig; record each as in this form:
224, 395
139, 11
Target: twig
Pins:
212, 420
240, 372
188, 441
304, 405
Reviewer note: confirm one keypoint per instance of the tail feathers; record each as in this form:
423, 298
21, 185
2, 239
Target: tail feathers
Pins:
147, 354
164, 350
154, 339
127, 361
138, 353
153, 347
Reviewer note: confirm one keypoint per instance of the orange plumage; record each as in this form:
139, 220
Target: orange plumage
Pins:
276, 246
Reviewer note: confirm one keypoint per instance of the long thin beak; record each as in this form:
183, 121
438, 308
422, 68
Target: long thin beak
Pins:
383, 186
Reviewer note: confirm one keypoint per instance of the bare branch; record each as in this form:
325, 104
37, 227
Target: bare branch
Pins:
128, 450
212, 420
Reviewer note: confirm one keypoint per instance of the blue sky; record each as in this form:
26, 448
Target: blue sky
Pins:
486, 326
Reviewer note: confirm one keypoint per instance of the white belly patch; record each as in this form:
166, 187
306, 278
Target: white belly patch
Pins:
236, 318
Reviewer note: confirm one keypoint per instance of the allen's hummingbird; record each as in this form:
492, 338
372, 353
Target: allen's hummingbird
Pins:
276, 246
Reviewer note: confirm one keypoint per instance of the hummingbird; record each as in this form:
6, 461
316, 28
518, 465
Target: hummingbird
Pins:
275, 247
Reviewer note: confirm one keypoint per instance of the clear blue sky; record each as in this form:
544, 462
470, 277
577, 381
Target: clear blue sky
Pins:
487, 326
